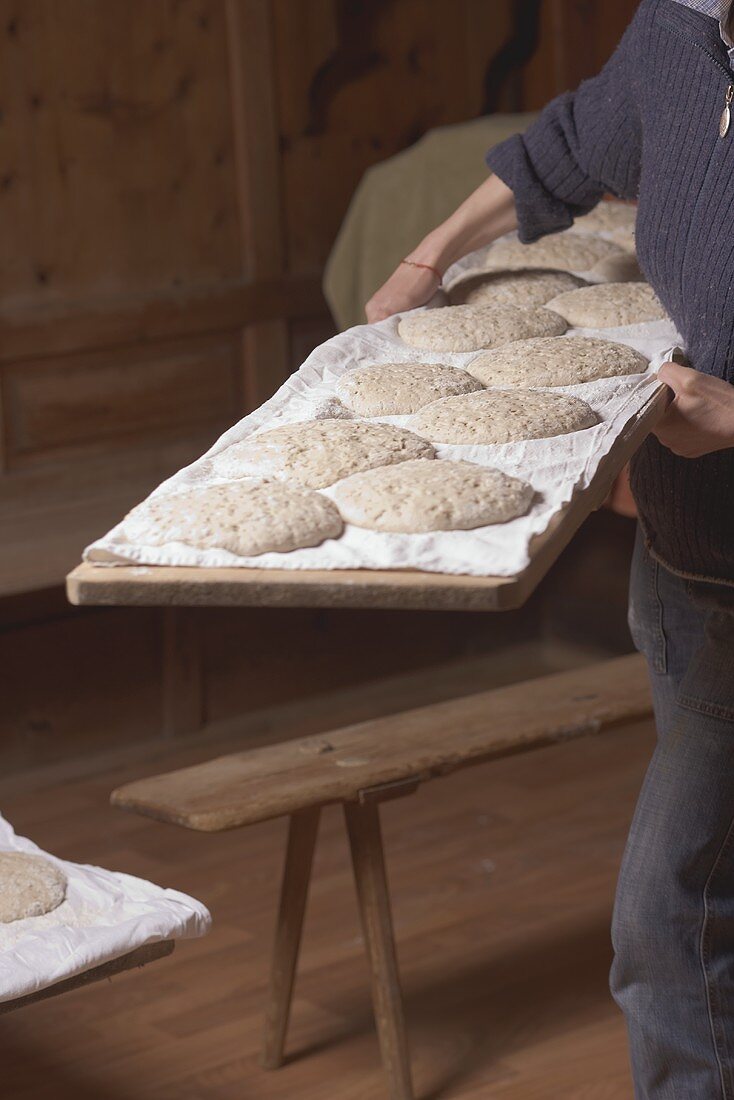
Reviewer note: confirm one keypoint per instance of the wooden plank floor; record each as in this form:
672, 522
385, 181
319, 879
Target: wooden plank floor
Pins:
503, 880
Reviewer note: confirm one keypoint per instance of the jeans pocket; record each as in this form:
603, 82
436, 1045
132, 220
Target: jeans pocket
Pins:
708, 685
645, 610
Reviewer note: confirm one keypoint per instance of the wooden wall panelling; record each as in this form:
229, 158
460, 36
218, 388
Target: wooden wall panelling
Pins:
256, 146
357, 82
576, 39
95, 400
117, 150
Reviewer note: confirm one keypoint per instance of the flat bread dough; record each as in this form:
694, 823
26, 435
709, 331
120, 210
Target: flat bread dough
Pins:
469, 328
246, 518
568, 361
502, 416
560, 251
316, 453
520, 288
608, 305
30, 885
431, 496
608, 217
394, 389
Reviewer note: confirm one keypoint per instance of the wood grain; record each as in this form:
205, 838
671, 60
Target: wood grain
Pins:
250, 786
370, 876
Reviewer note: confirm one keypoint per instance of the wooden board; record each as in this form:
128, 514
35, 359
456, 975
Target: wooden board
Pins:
407, 589
141, 957
256, 784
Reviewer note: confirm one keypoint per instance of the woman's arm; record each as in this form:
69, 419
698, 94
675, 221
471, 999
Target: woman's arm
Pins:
584, 143
485, 215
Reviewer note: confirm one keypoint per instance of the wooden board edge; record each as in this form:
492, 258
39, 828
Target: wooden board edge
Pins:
140, 957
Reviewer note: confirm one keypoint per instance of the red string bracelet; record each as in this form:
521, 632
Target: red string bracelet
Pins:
436, 272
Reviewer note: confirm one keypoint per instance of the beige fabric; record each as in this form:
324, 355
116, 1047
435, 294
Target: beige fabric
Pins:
568, 361
502, 416
431, 496
30, 886
401, 199
316, 453
246, 518
395, 389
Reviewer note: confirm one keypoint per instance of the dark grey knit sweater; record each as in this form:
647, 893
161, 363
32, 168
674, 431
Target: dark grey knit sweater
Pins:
647, 127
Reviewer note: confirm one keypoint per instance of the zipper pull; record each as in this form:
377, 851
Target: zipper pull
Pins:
725, 121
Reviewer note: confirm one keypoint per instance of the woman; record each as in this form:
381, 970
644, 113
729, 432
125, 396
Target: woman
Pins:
656, 124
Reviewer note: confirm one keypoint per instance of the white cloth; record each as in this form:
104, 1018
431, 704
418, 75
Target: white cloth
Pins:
105, 915
556, 467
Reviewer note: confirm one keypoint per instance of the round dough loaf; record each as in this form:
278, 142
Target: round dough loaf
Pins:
469, 328
393, 389
561, 251
568, 361
608, 217
30, 886
503, 416
521, 288
609, 305
247, 518
431, 496
316, 453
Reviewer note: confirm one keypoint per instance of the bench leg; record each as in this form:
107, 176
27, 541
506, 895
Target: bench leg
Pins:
365, 838
302, 830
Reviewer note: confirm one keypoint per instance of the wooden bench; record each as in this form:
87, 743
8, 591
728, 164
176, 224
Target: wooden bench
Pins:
361, 766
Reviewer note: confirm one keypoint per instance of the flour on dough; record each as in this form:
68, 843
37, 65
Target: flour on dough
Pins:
502, 416
318, 453
608, 217
562, 251
394, 389
520, 288
431, 496
568, 361
608, 305
469, 328
246, 518
30, 885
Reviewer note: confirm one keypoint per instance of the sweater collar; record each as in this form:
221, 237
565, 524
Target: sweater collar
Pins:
703, 20
714, 9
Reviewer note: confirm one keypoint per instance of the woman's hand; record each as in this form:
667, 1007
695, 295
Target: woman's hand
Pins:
701, 417
407, 288
485, 215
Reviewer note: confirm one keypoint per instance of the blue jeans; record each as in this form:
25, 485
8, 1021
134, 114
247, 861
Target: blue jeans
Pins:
673, 929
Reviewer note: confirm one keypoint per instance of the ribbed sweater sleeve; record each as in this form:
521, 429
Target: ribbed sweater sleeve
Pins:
585, 143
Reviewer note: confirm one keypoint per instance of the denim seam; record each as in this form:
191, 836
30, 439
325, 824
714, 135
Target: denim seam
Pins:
690, 702
712, 1000
660, 662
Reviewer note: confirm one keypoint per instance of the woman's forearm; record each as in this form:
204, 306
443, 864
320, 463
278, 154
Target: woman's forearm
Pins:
485, 215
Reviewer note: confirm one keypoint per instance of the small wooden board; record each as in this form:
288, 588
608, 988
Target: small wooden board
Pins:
408, 589
134, 959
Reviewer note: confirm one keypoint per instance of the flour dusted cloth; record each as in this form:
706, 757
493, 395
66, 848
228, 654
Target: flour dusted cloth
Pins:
105, 915
556, 467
